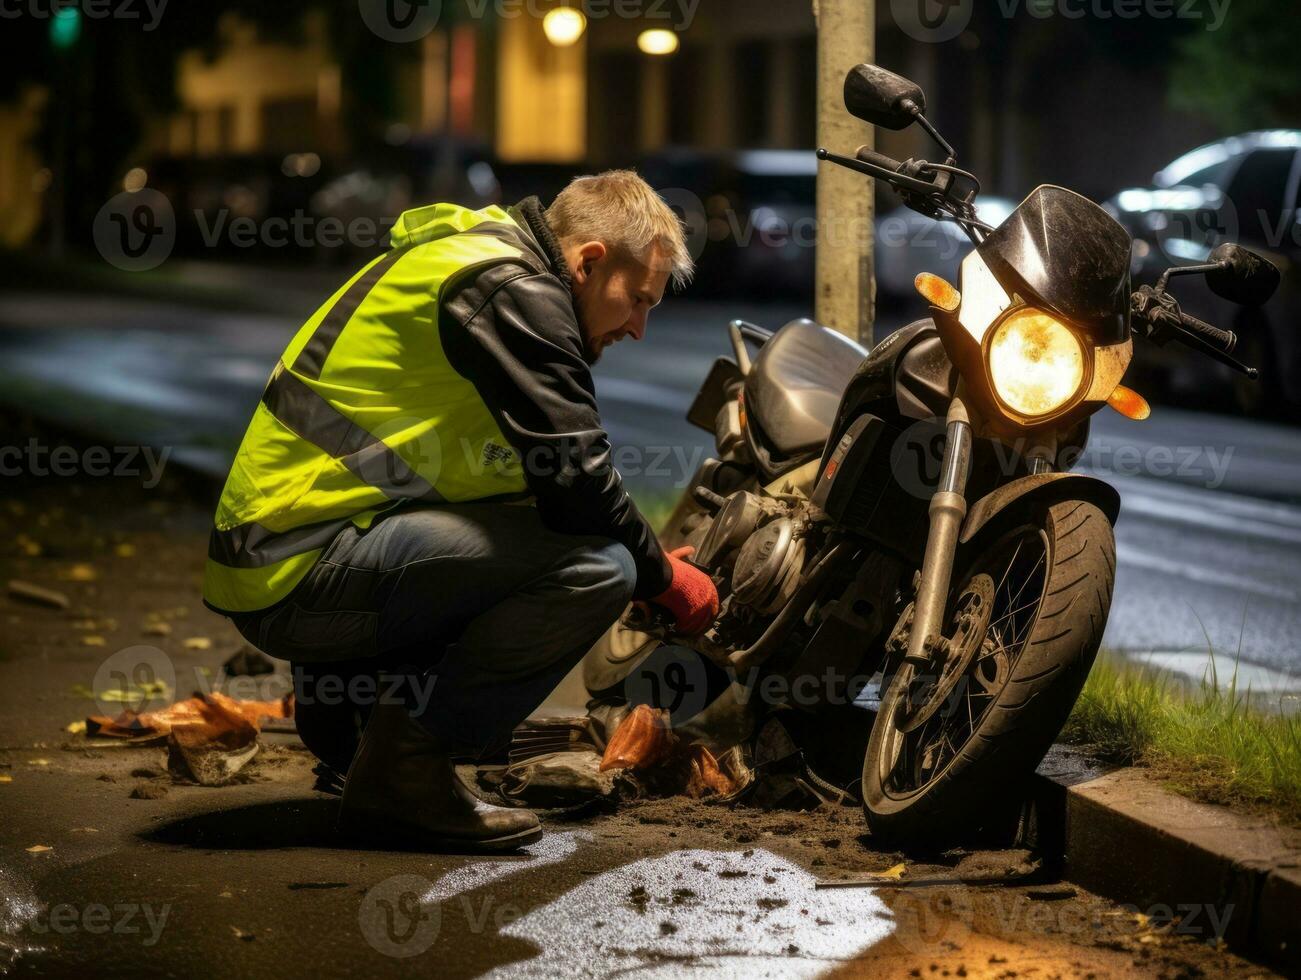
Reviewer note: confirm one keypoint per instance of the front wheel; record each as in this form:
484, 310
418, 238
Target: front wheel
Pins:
1027, 613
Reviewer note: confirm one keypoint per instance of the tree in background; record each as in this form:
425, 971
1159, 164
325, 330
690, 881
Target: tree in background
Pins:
1246, 75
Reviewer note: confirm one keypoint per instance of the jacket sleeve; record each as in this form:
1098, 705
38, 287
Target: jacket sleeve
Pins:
511, 331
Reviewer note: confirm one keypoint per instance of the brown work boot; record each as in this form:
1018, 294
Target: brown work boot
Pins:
402, 789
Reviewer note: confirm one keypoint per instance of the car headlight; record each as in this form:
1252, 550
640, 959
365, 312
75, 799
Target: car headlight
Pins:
1036, 364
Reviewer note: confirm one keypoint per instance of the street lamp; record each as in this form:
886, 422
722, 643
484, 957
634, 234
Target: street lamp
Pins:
657, 41
563, 26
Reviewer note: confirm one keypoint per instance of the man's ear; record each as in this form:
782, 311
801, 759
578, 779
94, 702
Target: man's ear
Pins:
583, 258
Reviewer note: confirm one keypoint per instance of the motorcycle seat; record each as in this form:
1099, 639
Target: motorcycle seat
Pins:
794, 388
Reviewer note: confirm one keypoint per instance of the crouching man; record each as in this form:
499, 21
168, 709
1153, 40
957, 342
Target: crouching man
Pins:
425, 490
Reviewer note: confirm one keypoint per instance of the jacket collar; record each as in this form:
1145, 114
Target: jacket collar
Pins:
530, 215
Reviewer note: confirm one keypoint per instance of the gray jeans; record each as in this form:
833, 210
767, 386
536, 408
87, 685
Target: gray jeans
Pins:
482, 607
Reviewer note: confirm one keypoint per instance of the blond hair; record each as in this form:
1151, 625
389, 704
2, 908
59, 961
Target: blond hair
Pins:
622, 211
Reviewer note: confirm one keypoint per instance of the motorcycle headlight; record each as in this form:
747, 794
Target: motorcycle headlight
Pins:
1036, 364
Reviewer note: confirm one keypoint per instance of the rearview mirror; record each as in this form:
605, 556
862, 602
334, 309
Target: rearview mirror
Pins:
883, 98
1243, 277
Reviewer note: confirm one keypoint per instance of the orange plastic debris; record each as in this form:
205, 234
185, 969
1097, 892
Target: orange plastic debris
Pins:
706, 776
203, 718
641, 740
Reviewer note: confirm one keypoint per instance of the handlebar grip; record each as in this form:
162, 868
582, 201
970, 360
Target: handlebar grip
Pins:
869, 155
1226, 340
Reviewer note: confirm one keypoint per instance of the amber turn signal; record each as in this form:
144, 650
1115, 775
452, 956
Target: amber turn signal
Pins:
938, 292
1129, 403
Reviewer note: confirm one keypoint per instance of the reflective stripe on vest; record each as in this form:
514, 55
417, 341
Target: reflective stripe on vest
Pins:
362, 412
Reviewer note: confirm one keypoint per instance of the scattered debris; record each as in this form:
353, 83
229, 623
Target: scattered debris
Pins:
93, 640
38, 762
39, 849
558, 779
209, 737
158, 629
6, 779
198, 643
642, 740
37, 594
75, 727
874, 878
148, 791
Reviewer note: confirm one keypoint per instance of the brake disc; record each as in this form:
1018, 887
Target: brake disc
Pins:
971, 617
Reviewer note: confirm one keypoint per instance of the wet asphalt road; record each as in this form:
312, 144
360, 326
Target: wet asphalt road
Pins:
1209, 540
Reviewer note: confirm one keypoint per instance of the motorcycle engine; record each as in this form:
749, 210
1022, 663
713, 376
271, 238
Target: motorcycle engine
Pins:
760, 542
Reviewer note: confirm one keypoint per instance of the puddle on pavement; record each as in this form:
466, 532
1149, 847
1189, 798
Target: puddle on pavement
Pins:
744, 914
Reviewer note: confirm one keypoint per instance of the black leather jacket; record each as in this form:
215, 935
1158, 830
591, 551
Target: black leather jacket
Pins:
512, 331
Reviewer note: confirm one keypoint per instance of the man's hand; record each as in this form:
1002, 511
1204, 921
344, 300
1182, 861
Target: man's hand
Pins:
690, 597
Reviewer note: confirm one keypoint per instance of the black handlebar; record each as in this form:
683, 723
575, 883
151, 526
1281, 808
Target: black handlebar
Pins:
1165, 322
869, 155
1226, 340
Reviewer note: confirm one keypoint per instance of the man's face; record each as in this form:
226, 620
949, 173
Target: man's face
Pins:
613, 294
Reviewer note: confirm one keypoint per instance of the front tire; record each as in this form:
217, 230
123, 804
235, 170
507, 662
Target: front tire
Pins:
1054, 569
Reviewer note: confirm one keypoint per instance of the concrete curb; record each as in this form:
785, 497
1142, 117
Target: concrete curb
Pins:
1122, 835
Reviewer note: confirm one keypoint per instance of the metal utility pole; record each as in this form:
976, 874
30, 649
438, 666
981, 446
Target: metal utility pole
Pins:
846, 292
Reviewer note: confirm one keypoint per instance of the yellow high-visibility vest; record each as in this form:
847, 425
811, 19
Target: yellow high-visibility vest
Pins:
363, 412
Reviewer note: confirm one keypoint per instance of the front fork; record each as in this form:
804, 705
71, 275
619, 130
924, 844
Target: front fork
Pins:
948, 509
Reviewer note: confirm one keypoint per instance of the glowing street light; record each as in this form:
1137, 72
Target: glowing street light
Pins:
563, 26
657, 41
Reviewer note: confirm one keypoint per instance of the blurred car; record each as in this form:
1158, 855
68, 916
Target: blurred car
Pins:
750, 217
1244, 189
908, 243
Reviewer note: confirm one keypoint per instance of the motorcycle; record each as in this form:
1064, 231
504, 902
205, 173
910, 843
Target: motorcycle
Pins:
910, 513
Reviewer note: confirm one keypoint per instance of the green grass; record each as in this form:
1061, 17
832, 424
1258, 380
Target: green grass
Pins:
1212, 743
656, 506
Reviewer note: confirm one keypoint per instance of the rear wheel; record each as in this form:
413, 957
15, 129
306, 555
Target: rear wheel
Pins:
1027, 614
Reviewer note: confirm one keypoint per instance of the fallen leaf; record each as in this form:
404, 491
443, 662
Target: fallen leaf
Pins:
198, 643
82, 691
158, 629
85, 830
93, 640
894, 874
125, 550
75, 727
38, 762
6, 779
39, 849
80, 572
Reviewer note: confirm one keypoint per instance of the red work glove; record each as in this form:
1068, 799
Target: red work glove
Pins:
690, 597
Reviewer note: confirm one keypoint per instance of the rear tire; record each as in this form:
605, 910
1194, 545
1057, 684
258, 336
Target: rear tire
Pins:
937, 784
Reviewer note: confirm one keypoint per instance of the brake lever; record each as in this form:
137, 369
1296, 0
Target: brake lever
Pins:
1160, 313
1210, 350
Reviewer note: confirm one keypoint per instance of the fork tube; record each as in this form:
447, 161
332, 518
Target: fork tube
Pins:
947, 509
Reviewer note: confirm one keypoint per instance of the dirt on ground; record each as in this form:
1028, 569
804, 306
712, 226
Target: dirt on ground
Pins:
129, 560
